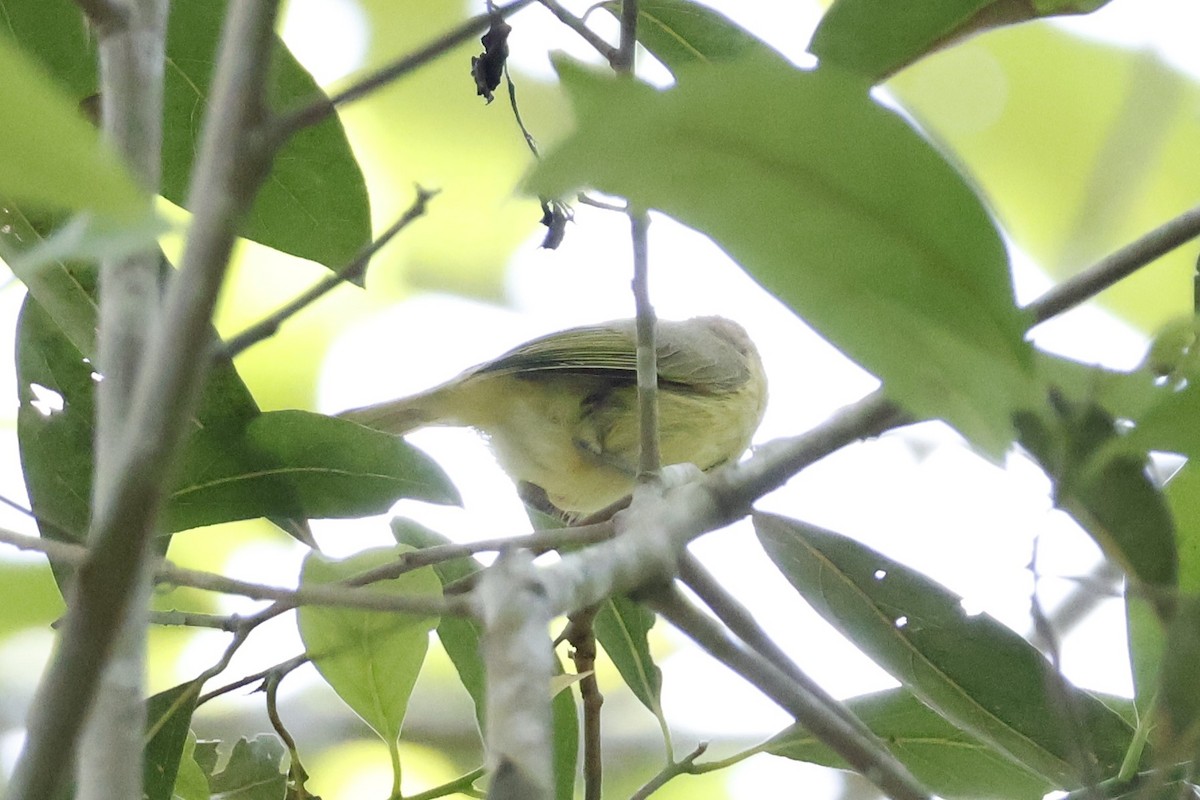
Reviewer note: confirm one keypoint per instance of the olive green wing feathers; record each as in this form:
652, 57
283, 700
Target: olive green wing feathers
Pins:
695, 354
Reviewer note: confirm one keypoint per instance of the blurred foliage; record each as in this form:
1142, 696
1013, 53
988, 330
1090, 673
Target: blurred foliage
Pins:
1080, 147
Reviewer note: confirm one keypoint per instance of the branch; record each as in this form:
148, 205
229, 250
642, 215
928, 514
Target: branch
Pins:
628, 46
131, 42
606, 50
649, 460
518, 664
1116, 266
866, 754
269, 326
336, 594
742, 624
671, 770
319, 109
124, 513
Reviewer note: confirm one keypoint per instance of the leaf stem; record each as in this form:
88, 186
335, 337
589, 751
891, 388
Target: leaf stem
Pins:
323, 107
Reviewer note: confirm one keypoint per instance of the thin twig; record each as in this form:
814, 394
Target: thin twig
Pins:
282, 668
323, 107
1117, 265
581, 635
606, 50
672, 770
649, 460
866, 754
464, 784
322, 595
297, 774
195, 619
628, 46
269, 326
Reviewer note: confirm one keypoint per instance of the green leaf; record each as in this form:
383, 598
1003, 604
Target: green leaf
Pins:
191, 783
50, 156
168, 717
1104, 486
313, 203
340, 469
876, 37
978, 674
680, 33
460, 636
56, 446
833, 204
56, 286
252, 771
622, 627
951, 763
370, 658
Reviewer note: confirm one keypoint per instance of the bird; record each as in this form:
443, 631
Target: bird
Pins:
561, 413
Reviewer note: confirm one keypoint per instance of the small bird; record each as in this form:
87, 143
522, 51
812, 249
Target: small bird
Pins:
561, 411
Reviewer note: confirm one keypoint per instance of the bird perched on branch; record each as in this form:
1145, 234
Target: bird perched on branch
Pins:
561, 411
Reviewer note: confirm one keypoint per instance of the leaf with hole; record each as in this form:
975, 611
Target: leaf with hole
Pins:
949, 762
970, 669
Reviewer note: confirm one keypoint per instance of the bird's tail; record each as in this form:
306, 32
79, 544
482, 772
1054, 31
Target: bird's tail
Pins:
398, 416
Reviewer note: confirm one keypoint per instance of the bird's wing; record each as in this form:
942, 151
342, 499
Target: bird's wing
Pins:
690, 355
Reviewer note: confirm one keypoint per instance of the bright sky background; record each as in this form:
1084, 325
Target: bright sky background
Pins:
932, 504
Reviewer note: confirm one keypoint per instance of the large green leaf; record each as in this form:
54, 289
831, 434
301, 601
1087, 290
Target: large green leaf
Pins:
680, 33
56, 446
313, 203
370, 658
50, 156
1110, 127
949, 762
836, 206
877, 37
298, 464
978, 674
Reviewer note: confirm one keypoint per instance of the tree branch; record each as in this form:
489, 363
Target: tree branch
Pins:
865, 754
650, 459
741, 623
227, 171
606, 50
1116, 266
131, 46
628, 46
320, 109
518, 664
